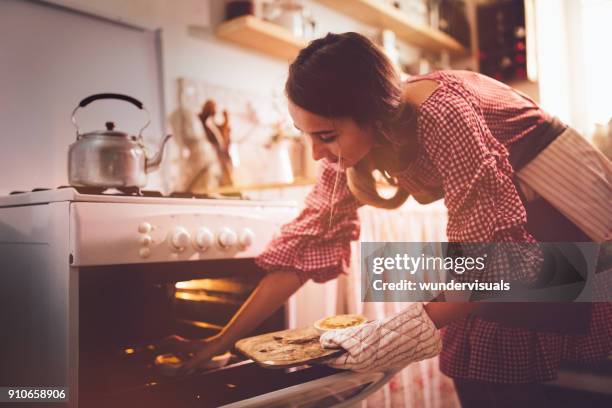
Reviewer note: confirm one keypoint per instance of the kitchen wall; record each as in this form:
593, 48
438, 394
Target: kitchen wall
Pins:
190, 48
50, 59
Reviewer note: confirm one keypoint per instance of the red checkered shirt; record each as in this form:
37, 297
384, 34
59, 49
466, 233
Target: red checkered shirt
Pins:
463, 130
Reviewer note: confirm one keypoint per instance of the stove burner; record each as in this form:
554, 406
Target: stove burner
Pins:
178, 194
130, 190
135, 192
87, 190
33, 191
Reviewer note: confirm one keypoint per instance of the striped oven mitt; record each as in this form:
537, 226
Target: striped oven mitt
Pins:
393, 342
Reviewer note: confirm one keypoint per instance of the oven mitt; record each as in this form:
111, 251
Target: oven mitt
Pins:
393, 342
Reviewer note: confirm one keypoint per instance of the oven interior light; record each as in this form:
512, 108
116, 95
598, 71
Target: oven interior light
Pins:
204, 297
215, 285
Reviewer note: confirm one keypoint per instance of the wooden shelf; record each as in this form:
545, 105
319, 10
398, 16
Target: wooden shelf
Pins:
383, 16
259, 187
256, 34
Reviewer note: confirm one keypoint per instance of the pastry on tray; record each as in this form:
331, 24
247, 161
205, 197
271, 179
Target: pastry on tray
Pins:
339, 322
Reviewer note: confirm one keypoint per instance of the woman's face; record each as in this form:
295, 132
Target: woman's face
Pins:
333, 137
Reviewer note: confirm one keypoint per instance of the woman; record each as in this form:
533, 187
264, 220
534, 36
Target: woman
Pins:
453, 135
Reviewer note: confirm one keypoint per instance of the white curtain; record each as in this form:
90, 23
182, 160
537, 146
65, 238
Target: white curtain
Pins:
420, 384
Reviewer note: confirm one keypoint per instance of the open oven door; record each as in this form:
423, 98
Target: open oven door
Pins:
339, 390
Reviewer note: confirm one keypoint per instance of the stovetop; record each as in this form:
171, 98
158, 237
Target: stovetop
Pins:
129, 191
131, 195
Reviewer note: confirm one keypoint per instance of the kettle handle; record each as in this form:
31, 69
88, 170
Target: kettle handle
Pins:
126, 98
121, 97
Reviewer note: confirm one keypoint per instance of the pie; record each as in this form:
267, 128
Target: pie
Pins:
339, 322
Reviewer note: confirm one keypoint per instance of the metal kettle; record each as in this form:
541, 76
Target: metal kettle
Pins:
110, 158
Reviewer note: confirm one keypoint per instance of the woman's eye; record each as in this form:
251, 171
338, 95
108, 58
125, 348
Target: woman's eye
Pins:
328, 138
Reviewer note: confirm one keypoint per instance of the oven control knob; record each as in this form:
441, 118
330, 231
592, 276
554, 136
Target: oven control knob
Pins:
146, 240
203, 239
144, 227
144, 252
246, 238
227, 238
180, 239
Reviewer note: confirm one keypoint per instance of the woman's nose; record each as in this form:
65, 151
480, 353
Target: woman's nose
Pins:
318, 152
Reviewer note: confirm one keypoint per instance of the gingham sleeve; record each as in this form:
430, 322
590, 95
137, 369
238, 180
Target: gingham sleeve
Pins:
482, 201
308, 245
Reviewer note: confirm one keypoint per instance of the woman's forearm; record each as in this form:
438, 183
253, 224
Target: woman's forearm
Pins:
443, 313
273, 290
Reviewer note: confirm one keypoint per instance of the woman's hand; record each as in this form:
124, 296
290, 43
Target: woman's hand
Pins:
199, 351
180, 345
204, 350
273, 290
393, 342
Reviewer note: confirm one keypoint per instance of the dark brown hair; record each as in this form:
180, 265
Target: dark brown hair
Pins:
345, 75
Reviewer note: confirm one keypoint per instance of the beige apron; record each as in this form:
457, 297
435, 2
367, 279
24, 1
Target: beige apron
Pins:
575, 178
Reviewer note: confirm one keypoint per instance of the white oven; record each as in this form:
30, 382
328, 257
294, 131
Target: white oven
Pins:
90, 282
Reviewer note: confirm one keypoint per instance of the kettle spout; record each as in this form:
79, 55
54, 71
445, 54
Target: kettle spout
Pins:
153, 163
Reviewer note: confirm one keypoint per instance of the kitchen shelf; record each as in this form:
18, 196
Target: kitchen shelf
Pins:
384, 16
263, 36
299, 182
